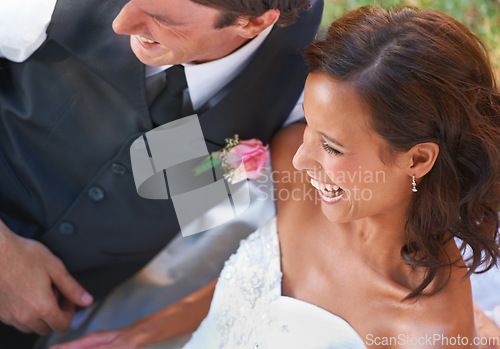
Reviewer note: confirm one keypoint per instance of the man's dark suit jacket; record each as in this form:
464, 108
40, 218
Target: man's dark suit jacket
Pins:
68, 117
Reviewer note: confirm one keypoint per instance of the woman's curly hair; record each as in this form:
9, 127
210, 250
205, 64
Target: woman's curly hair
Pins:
427, 78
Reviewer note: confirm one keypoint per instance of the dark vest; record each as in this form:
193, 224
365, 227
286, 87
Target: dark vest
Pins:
68, 117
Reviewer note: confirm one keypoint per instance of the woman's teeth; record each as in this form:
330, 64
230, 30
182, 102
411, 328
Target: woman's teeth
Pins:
143, 39
329, 190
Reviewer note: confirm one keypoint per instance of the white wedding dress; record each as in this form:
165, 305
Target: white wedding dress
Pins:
248, 310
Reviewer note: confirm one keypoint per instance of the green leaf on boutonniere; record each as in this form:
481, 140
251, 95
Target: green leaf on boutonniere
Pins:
208, 163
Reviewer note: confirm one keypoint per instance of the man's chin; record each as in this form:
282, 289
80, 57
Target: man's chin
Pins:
148, 61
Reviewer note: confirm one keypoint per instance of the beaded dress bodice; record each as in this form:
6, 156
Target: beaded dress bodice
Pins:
248, 310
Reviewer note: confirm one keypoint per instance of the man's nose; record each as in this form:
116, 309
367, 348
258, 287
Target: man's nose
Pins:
129, 20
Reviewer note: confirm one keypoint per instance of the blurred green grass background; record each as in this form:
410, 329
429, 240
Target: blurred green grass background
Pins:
481, 16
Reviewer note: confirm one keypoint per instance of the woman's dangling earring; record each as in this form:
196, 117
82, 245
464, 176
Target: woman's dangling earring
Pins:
413, 184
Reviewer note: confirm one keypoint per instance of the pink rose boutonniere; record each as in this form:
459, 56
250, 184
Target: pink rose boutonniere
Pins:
240, 160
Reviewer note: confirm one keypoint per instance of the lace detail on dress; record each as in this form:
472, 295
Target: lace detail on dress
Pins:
248, 285
254, 280
248, 311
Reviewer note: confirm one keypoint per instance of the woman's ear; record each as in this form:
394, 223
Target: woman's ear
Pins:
421, 159
251, 27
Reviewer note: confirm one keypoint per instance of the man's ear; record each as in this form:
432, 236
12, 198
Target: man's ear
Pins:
251, 27
421, 158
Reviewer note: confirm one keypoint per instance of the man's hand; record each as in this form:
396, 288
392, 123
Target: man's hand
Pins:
36, 291
113, 339
178, 319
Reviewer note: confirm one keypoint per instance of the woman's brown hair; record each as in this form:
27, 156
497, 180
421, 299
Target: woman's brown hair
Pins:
427, 78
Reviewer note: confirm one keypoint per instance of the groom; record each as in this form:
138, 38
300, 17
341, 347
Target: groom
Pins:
72, 226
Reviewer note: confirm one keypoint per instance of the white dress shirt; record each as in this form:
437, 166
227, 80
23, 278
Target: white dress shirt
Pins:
206, 79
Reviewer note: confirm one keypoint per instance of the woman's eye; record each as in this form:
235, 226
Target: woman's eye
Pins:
330, 150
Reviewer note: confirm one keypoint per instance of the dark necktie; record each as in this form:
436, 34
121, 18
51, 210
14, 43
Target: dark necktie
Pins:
168, 104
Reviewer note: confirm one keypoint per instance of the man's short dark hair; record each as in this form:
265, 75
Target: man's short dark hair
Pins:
233, 9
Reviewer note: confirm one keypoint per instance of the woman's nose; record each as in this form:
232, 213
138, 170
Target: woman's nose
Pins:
298, 159
302, 159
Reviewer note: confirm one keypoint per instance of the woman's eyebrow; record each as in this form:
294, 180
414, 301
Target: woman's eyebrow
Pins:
332, 140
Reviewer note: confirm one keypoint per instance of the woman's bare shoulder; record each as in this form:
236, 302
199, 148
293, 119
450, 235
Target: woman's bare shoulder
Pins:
441, 320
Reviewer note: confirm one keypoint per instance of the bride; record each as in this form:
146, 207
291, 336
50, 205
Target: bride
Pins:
399, 161
401, 143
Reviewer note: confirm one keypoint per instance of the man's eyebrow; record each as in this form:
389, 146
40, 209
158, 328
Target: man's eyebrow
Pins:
162, 19
332, 140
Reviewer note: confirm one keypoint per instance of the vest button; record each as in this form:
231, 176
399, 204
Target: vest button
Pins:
96, 194
118, 169
67, 228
